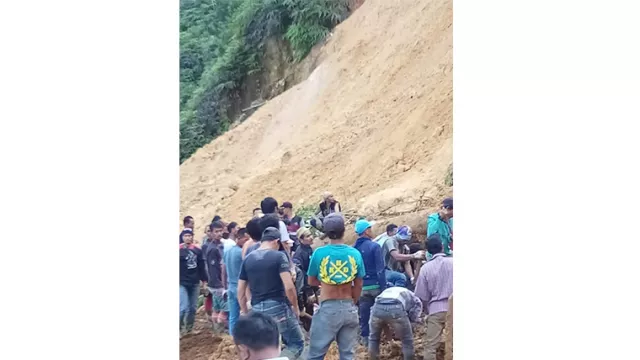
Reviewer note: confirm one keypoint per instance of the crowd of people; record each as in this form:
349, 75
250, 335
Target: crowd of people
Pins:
265, 283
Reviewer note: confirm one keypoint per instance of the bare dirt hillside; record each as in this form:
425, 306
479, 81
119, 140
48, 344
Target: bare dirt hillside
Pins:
372, 124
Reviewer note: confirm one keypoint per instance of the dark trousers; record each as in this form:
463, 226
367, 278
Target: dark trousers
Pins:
367, 299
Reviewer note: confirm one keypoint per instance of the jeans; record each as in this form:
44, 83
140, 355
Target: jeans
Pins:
335, 320
435, 325
396, 278
367, 298
288, 325
234, 307
188, 302
394, 315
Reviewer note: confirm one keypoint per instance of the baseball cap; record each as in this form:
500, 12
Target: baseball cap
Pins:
287, 205
270, 234
333, 222
404, 233
447, 203
361, 226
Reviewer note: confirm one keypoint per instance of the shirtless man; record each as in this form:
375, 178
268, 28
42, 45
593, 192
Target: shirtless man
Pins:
338, 268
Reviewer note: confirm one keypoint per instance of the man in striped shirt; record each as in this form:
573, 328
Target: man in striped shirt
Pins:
434, 287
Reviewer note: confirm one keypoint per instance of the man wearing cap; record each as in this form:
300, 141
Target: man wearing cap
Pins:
374, 281
434, 286
287, 211
267, 271
441, 223
397, 262
340, 270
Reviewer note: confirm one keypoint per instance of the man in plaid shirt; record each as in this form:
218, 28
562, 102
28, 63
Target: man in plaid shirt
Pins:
397, 307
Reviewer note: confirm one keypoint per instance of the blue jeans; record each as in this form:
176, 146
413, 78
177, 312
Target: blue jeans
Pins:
335, 320
367, 298
394, 315
234, 307
188, 302
396, 278
288, 325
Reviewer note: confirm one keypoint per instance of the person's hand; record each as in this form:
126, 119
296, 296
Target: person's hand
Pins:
296, 311
420, 254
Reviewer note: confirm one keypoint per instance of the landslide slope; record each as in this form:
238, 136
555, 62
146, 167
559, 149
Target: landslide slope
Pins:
372, 124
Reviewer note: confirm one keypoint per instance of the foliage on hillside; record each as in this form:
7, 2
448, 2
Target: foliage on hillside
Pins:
222, 41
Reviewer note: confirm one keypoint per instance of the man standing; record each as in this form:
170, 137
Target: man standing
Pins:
396, 307
270, 206
374, 281
301, 259
267, 271
232, 262
229, 243
192, 271
188, 224
440, 223
215, 304
287, 211
434, 287
339, 268
256, 337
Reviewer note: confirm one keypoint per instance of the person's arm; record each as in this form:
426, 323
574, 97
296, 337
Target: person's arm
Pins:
408, 269
422, 290
242, 296
312, 273
356, 289
289, 286
224, 275
379, 263
204, 277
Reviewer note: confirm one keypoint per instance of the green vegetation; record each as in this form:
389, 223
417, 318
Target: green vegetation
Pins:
448, 180
222, 41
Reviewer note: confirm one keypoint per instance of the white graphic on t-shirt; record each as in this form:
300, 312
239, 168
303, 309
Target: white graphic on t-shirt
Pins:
192, 262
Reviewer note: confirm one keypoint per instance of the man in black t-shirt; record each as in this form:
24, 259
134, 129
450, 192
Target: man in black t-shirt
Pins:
273, 293
192, 271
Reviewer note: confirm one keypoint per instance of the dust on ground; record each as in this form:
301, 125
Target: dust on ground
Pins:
372, 124
206, 346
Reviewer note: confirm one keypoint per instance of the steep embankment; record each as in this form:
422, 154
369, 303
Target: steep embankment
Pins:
372, 124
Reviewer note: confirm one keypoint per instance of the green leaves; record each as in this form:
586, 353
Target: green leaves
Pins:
222, 41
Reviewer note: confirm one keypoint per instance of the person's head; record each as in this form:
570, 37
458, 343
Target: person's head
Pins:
207, 231
270, 234
188, 222
187, 236
216, 218
333, 226
256, 337
269, 220
447, 208
392, 229
328, 197
363, 228
233, 228
404, 234
253, 229
242, 236
287, 209
305, 236
415, 247
269, 206
434, 244
257, 212
217, 228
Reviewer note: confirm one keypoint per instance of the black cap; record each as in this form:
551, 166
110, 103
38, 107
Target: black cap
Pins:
287, 204
447, 203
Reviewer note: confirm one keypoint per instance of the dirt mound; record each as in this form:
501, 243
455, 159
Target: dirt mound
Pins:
372, 124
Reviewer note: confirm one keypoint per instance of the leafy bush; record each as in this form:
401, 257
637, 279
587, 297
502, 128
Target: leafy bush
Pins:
222, 41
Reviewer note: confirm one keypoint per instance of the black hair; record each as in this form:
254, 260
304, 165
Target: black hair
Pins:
391, 227
414, 248
208, 228
270, 220
256, 331
231, 226
241, 232
269, 205
254, 230
296, 220
434, 244
217, 225
187, 219
216, 218
335, 235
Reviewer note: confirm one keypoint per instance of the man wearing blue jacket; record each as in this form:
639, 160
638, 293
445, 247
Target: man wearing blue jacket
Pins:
441, 223
374, 281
